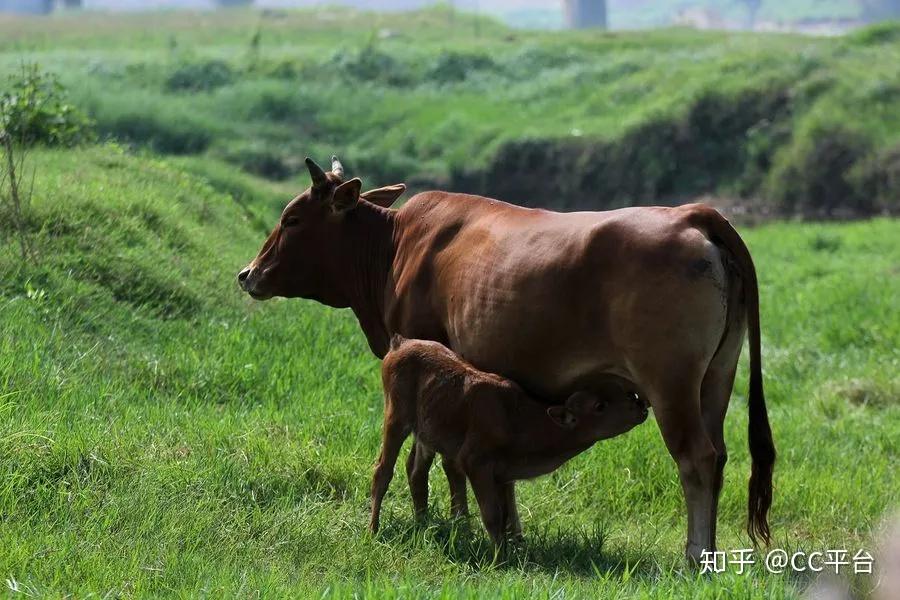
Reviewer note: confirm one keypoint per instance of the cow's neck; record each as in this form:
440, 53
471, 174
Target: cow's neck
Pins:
373, 253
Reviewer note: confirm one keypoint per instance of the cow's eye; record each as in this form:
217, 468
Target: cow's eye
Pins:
290, 221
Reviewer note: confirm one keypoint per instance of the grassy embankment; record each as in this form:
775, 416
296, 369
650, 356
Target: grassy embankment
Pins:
787, 123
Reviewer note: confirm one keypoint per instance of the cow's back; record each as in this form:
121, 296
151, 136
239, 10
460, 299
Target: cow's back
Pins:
552, 300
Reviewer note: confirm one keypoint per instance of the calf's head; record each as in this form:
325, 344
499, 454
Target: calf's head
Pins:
597, 417
307, 254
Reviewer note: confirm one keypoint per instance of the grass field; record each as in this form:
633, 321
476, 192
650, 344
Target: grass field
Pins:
161, 434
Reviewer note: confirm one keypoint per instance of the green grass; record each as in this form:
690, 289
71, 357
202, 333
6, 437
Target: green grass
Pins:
161, 434
798, 124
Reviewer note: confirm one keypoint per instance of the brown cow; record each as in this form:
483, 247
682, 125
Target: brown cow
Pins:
486, 425
558, 302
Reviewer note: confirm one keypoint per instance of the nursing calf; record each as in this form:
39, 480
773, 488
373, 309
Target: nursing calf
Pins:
486, 425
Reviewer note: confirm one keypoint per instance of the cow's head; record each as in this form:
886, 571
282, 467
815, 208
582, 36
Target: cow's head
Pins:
307, 252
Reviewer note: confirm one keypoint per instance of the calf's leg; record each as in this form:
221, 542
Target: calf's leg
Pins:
490, 497
417, 467
394, 433
456, 479
510, 510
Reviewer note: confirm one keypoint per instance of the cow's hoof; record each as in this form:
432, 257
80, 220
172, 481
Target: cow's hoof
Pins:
693, 553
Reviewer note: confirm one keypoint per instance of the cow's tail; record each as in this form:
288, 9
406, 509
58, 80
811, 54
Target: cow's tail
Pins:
762, 448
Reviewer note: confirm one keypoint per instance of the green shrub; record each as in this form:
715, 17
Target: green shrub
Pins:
451, 67
160, 133
816, 176
199, 76
279, 69
259, 159
266, 100
370, 64
36, 109
878, 178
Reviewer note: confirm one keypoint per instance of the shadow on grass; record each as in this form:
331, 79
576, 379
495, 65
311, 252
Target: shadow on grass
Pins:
576, 551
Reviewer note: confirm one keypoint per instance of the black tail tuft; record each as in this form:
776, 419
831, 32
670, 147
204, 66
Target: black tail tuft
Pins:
762, 451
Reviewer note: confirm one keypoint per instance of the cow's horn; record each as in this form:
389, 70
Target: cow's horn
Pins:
316, 173
336, 167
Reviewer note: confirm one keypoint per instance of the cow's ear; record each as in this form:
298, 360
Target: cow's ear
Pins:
346, 196
384, 196
562, 416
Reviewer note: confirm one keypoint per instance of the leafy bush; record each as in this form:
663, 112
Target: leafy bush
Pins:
199, 76
370, 64
879, 180
35, 109
450, 67
815, 178
162, 134
259, 159
279, 69
379, 168
267, 100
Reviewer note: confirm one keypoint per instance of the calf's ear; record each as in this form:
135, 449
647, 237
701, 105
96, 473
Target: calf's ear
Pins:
346, 196
562, 416
582, 403
384, 196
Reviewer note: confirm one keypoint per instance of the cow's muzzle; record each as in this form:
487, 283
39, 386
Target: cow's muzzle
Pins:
242, 277
248, 279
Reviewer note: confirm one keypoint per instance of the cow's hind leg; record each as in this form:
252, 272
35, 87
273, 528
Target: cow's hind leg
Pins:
677, 410
717, 386
417, 467
715, 394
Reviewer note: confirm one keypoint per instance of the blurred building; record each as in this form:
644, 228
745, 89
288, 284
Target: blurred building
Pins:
584, 14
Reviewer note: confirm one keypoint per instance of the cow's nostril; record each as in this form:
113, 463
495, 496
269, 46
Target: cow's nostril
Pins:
242, 276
